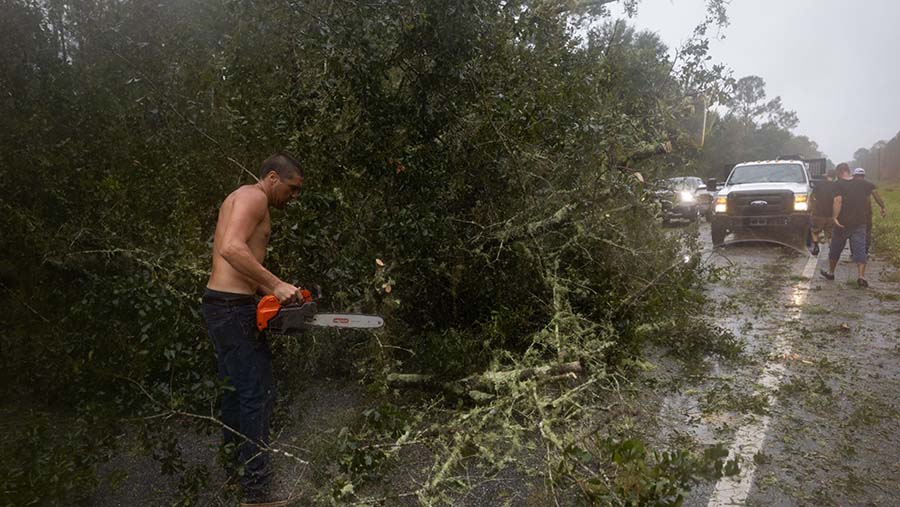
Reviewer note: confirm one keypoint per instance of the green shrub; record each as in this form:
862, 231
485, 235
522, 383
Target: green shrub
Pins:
49, 460
481, 153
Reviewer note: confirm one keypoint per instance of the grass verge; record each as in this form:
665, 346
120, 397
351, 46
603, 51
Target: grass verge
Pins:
886, 233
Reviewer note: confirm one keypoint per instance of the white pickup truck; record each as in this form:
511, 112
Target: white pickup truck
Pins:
766, 194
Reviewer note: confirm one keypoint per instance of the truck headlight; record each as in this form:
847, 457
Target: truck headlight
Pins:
721, 204
800, 202
686, 196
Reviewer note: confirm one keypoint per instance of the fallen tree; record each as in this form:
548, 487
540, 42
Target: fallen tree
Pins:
486, 385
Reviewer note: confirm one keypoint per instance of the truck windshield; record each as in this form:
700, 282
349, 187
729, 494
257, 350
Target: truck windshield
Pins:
768, 173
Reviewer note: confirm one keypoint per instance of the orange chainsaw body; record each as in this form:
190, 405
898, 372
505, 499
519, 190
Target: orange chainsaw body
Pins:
268, 307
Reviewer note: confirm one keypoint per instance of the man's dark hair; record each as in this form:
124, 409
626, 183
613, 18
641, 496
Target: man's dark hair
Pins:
842, 168
283, 164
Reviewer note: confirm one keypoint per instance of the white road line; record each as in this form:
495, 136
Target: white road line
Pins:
749, 439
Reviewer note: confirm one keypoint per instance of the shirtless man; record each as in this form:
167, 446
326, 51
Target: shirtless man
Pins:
229, 308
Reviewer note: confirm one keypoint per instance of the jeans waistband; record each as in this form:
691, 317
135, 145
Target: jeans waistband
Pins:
229, 299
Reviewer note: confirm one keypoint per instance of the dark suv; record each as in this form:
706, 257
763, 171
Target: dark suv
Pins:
683, 198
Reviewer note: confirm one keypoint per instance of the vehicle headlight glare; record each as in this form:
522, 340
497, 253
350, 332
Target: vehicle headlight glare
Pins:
721, 204
800, 202
686, 196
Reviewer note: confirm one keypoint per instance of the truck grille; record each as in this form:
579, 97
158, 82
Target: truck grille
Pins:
776, 203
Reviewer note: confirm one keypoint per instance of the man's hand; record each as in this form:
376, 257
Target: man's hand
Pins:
836, 223
883, 212
286, 293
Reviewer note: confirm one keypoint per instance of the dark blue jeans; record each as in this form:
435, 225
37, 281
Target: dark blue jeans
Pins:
245, 364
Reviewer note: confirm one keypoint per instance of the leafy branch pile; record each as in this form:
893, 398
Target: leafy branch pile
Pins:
475, 173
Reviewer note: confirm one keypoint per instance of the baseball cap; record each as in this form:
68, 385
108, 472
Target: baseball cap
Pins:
859, 171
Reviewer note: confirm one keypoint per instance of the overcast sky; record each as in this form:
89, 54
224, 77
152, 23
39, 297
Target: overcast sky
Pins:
835, 62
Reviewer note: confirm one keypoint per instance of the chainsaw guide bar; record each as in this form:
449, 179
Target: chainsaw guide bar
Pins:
295, 319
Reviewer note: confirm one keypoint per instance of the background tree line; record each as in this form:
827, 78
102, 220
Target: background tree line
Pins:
749, 126
881, 160
481, 151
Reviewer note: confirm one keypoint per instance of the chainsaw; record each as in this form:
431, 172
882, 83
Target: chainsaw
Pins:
303, 315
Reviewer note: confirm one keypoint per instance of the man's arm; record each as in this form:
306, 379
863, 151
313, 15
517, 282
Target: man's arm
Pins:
247, 213
836, 209
880, 202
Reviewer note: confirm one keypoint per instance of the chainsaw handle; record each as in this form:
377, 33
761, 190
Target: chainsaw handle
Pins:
266, 310
269, 306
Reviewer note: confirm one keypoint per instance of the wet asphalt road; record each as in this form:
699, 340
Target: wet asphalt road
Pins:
813, 412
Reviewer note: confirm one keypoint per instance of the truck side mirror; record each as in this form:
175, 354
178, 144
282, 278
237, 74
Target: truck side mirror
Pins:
711, 184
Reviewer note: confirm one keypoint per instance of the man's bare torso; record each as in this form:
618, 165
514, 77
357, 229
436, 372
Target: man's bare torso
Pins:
224, 277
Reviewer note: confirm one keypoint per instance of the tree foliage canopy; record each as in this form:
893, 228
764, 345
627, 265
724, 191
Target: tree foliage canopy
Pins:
480, 149
749, 126
465, 144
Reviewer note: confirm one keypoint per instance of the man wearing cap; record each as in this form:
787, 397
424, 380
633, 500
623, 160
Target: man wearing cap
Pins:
860, 173
849, 215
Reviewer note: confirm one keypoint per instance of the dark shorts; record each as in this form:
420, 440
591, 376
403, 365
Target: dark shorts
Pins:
820, 224
857, 237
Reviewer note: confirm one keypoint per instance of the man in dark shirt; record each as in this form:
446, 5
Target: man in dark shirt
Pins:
849, 213
822, 200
